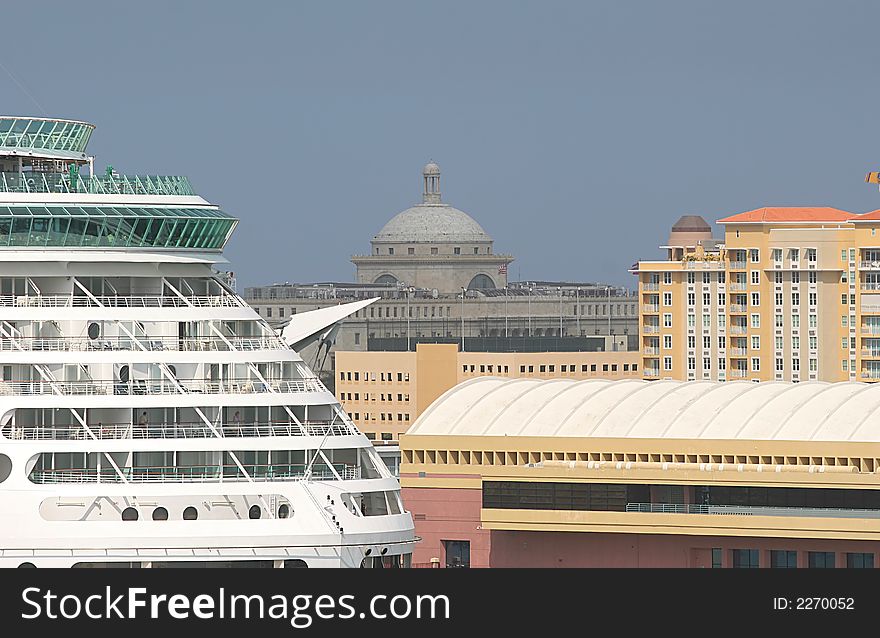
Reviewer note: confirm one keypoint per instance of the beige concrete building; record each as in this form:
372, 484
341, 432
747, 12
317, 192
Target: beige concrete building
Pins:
385, 392
789, 294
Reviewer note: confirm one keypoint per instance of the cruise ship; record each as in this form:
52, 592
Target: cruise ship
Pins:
148, 416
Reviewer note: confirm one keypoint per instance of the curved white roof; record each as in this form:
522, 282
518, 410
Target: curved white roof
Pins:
814, 411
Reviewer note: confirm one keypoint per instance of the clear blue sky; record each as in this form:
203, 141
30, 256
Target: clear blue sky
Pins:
576, 133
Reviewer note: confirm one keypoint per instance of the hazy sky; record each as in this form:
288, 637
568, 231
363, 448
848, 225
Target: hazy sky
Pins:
576, 133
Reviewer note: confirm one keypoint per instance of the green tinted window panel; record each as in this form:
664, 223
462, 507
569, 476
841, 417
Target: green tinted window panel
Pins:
42, 134
120, 227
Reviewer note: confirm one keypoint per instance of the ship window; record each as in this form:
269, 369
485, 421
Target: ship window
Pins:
255, 512
94, 330
160, 514
190, 514
292, 563
129, 514
28, 565
5, 467
284, 511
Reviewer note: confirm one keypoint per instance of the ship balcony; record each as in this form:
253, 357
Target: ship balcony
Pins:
158, 344
119, 301
37, 182
198, 474
145, 387
199, 430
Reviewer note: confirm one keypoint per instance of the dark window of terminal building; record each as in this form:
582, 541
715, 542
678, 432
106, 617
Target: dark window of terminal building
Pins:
562, 496
717, 553
803, 497
860, 560
820, 559
458, 553
749, 558
783, 559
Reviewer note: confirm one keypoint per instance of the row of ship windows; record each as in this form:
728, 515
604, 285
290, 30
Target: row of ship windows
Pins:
191, 513
347, 396
402, 377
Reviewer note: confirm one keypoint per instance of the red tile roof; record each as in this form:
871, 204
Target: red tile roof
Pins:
791, 214
874, 215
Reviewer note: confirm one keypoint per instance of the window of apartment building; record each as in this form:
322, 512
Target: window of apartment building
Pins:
722, 277
754, 255
844, 365
613, 367
722, 321
667, 363
843, 254
795, 277
756, 343
667, 278
707, 363
531, 369
667, 320
707, 278
692, 321
357, 338
722, 342
722, 299
843, 321
691, 278
756, 364
592, 367
370, 435
483, 368
795, 299
552, 368
852, 343
852, 254
564, 368
722, 363
707, 321
604, 367
667, 342
477, 250
779, 364
410, 251
814, 342
777, 254
433, 251
783, 559
756, 277
813, 321
844, 298
692, 342
843, 343
795, 343
756, 299
268, 312
692, 299
386, 436
357, 396
811, 276
795, 320
777, 278
748, 558
777, 321
813, 297
794, 254
796, 365
860, 560
779, 343
456, 250
692, 363
814, 365
707, 343
707, 299
584, 368
543, 368
820, 559
756, 321
667, 298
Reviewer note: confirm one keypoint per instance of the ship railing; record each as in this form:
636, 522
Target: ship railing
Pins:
120, 301
198, 474
38, 182
153, 344
194, 430
150, 387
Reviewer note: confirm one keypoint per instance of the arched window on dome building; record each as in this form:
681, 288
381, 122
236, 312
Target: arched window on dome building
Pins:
481, 282
386, 279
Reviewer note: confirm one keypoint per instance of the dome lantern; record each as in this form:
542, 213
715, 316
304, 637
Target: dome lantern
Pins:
431, 177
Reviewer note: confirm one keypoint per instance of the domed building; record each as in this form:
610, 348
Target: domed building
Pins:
433, 246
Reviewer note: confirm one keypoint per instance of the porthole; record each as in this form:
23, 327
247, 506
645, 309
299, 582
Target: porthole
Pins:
295, 563
28, 565
190, 514
284, 511
5, 467
160, 514
94, 331
129, 514
123, 374
255, 512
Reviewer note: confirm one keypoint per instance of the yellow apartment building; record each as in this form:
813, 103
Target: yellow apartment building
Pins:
385, 392
789, 294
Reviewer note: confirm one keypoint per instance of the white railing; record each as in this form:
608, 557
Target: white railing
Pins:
734, 286
651, 286
648, 307
652, 350
737, 265
738, 374
110, 431
188, 344
735, 307
738, 330
652, 372
150, 387
650, 329
737, 351
120, 301
195, 474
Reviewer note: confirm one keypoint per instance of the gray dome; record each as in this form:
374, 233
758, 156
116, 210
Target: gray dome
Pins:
432, 223
431, 168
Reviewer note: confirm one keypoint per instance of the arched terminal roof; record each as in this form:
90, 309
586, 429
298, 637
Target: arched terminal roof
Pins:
814, 411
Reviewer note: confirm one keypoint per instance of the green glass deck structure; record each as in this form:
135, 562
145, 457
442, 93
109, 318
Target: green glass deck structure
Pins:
62, 138
114, 227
